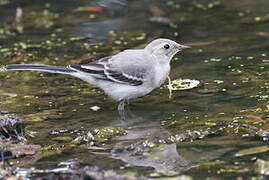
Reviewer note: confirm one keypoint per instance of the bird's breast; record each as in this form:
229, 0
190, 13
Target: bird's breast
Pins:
161, 73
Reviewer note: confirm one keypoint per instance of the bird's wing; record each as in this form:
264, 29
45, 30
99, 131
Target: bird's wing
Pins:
122, 68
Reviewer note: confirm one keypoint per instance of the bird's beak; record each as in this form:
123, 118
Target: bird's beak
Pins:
181, 47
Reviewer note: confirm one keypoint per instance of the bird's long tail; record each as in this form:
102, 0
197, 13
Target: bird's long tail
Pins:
38, 67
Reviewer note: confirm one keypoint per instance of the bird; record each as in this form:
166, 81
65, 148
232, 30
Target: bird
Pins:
127, 75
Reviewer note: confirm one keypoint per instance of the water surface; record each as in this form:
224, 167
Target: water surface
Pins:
230, 56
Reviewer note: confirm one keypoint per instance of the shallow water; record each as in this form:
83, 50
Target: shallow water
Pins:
229, 55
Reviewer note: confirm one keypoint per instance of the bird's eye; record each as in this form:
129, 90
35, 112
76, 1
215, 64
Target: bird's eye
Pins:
166, 46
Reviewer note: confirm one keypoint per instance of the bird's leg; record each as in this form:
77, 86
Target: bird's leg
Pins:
121, 108
121, 105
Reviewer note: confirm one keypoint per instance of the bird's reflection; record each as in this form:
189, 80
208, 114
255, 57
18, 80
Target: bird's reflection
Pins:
142, 145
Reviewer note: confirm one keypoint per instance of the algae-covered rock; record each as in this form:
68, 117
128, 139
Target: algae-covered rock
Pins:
103, 134
99, 135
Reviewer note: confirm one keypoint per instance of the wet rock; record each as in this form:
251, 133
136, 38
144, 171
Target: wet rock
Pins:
69, 163
66, 172
86, 138
11, 127
105, 133
12, 139
19, 150
192, 135
248, 129
99, 135
10, 150
5, 153
6, 173
262, 167
58, 131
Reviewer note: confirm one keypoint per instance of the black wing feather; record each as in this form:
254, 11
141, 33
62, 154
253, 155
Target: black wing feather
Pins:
100, 70
118, 76
86, 70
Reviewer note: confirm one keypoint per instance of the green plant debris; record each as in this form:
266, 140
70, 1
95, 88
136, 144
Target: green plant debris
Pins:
11, 95
181, 84
207, 6
261, 19
251, 151
235, 170
5, 32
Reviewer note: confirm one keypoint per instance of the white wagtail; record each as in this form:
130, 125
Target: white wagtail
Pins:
129, 74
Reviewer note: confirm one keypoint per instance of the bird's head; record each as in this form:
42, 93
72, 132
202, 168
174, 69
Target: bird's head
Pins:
164, 49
